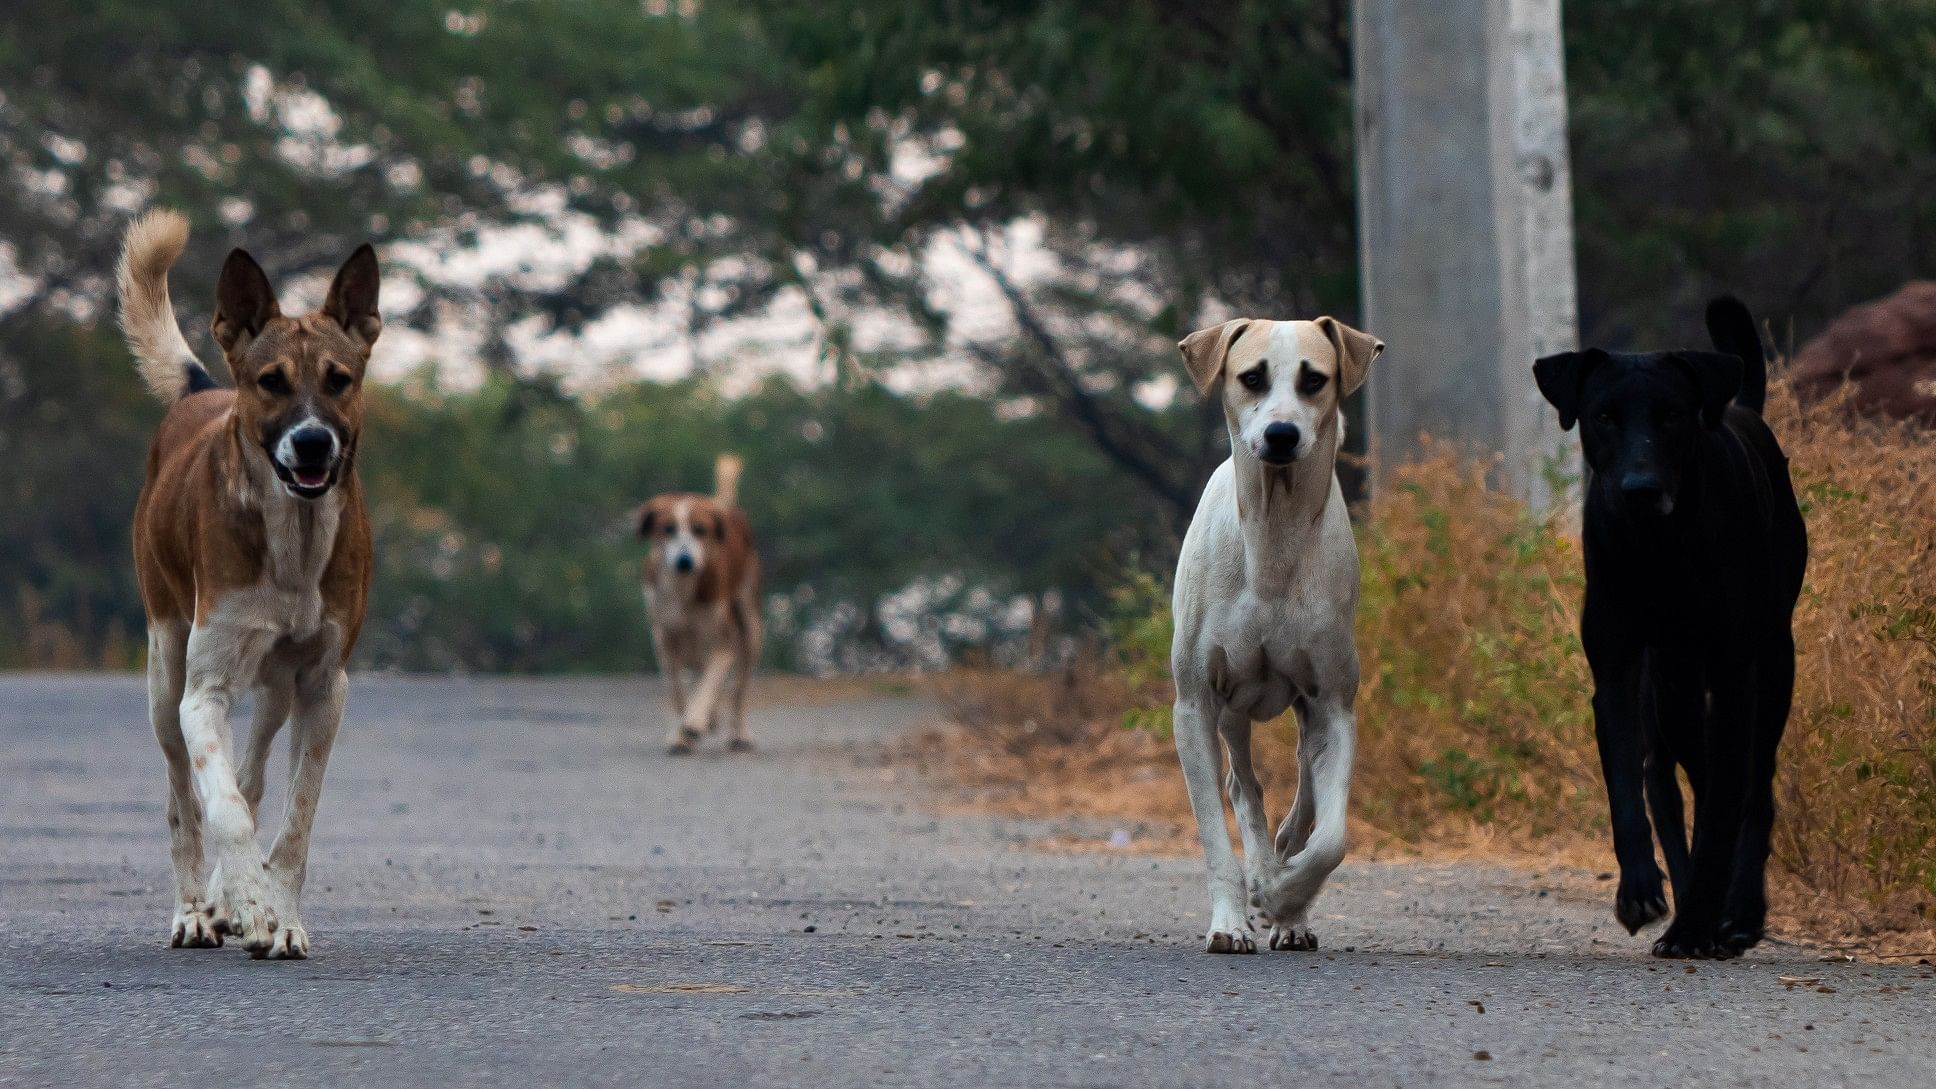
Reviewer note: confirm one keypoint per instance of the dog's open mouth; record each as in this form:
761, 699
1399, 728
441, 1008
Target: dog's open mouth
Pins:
306, 481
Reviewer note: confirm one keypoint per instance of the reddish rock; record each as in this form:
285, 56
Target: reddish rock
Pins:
1886, 348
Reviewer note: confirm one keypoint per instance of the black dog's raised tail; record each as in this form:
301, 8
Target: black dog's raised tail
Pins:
1733, 330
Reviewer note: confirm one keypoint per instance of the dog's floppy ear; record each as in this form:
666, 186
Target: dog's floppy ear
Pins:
1717, 375
1204, 351
244, 304
642, 520
1355, 349
1562, 379
351, 302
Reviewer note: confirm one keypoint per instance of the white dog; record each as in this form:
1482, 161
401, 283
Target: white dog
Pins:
1266, 588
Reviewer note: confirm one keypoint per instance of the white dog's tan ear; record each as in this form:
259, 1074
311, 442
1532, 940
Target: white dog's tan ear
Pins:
1204, 351
1355, 350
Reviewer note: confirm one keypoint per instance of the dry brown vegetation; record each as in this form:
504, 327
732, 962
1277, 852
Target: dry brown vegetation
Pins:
1475, 731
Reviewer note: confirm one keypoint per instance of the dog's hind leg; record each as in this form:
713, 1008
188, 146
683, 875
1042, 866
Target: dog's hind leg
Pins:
749, 656
1246, 797
272, 702
1196, 749
319, 696
1292, 836
1295, 832
1674, 727
1721, 793
193, 925
1327, 741
1744, 919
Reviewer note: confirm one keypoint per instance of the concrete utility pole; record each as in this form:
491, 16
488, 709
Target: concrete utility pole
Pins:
1465, 212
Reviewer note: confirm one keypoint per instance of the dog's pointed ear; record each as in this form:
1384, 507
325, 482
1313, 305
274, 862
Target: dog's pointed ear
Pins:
1562, 380
1356, 349
1717, 375
351, 302
245, 304
1204, 351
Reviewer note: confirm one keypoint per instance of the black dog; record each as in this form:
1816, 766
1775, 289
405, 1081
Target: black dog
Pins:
1695, 550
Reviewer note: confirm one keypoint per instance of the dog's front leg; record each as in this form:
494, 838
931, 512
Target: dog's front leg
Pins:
1196, 749
1247, 799
320, 693
1617, 728
193, 925
705, 695
672, 666
217, 659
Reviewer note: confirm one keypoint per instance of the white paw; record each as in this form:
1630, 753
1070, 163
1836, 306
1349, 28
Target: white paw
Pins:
681, 741
241, 904
1229, 941
194, 927
1293, 936
291, 942
1229, 933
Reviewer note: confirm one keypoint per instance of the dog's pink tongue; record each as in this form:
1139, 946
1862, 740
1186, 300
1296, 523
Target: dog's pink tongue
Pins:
309, 478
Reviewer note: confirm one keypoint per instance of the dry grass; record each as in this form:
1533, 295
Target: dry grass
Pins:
1475, 731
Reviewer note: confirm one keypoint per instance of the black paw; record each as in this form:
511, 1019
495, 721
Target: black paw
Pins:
1741, 937
1640, 901
1684, 942
740, 744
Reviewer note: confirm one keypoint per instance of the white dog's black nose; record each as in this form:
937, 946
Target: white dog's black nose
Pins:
1280, 442
682, 562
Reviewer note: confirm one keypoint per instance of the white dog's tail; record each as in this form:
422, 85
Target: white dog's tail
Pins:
168, 365
726, 472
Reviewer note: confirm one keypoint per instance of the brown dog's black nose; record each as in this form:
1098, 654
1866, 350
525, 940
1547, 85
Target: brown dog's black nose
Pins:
312, 446
1280, 442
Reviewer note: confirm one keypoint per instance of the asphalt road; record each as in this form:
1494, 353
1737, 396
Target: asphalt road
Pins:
512, 885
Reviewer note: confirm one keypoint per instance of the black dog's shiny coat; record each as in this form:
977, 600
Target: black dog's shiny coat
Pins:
1695, 551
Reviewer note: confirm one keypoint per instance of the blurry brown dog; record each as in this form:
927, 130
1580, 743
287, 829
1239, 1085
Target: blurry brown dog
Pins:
254, 559
702, 594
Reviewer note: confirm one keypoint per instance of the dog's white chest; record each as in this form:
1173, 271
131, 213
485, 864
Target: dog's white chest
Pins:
1259, 678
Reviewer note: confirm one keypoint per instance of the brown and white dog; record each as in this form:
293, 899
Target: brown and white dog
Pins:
254, 559
702, 595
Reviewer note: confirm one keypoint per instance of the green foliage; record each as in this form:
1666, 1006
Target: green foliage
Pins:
1140, 631
504, 516
72, 441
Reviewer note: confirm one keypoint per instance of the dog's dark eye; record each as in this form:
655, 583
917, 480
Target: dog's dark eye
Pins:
699, 531
670, 530
273, 382
1252, 379
1604, 419
1310, 381
336, 383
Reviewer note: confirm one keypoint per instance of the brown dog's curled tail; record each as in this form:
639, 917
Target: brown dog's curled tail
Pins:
726, 472
168, 365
